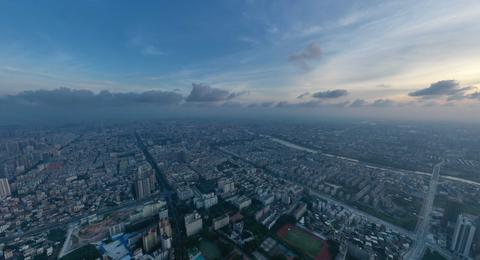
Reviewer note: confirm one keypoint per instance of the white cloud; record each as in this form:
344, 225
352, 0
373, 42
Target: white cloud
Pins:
146, 47
409, 45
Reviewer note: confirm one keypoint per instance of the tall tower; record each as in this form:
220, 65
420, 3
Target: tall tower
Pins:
142, 188
4, 188
463, 235
145, 182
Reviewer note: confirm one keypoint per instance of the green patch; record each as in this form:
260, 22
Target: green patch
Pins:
206, 186
454, 208
223, 207
56, 235
85, 252
142, 224
259, 230
429, 255
209, 250
304, 241
408, 222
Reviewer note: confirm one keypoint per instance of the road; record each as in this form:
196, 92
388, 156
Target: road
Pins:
166, 194
423, 224
179, 239
67, 244
371, 218
424, 218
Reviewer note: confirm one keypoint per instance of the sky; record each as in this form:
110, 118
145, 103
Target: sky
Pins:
351, 57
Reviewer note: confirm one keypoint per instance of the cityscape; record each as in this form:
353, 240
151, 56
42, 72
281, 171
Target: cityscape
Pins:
236, 190
240, 130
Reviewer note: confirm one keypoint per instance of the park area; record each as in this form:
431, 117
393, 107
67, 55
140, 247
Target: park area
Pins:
209, 250
305, 242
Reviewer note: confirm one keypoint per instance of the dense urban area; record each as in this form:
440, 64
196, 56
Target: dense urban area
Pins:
240, 190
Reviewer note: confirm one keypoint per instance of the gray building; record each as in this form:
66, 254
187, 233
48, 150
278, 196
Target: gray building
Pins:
463, 235
4, 188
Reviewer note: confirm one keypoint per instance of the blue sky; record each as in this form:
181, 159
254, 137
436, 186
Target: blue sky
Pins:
272, 51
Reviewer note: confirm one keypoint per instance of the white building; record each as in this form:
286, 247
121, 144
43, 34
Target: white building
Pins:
193, 223
184, 193
149, 209
166, 242
242, 202
205, 200
221, 222
163, 213
226, 185
116, 229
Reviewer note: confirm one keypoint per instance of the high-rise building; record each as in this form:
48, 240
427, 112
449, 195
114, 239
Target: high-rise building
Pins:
116, 229
463, 235
165, 228
163, 213
193, 223
4, 188
145, 182
142, 188
150, 240
166, 242
226, 185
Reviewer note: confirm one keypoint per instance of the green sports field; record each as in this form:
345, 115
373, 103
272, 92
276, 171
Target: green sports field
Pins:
301, 239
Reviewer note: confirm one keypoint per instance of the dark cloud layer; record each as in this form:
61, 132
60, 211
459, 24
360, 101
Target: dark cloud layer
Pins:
475, 95
205, 93
311, 52
359, 103
303, 95
383, 103
441, 88
267, 104
329, 94
72, 97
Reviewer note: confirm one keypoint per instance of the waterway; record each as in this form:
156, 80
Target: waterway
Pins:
306, 149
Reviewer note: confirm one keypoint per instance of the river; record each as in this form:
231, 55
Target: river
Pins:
306, 149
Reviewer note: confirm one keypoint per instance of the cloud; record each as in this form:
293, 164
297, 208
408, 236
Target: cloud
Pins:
282, 104
329, 94
383, 103
153, 51
383, 86
475, 95
310, 53
146, 47
233, 104
306, 94
205, 93
313, 104
441, 88
266, 104
249, 40
359, 103
85, 98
